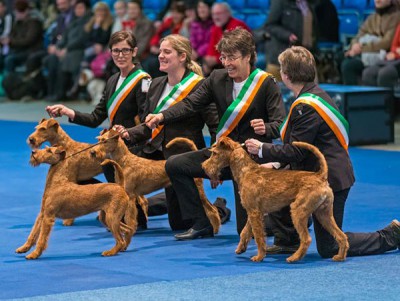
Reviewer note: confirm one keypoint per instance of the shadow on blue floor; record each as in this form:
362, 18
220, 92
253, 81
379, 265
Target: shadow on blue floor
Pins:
156, 267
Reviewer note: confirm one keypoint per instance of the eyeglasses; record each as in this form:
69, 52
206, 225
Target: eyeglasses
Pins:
124, 51
228, 58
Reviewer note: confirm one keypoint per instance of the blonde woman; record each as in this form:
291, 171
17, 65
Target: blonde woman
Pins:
183, 77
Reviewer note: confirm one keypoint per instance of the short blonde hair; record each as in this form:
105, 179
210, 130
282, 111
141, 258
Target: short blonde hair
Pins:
298, 64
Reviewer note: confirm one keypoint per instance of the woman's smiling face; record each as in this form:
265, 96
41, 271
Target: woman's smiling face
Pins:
169, 58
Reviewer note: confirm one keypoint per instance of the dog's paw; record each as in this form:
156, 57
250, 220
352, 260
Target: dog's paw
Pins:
109, 253
257, 258
240, 250
22, 249
33, 255
292, 259
68, 222
338, 258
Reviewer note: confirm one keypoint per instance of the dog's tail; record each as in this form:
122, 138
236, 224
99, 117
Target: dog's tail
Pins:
119, 175
323, 169
181, 145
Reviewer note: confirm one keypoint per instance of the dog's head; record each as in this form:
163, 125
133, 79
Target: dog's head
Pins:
46, 130
50, 155
108, 142
220, 157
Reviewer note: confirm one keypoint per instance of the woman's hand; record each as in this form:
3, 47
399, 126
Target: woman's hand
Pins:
123, 133
59, 110
258, 126
253, 146
153, 120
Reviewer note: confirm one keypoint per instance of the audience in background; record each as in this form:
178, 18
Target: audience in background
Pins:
190, 15
26, 37
170, 25
120, 10
223, 21
6, 20
200, 30
48, 10
290, 22
140, 26
385, 73
374, 37
51, 61
98, 31
96, 53
64, 63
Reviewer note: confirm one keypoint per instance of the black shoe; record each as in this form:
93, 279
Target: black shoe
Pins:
395, 227
224, 212
193, 234
274, 249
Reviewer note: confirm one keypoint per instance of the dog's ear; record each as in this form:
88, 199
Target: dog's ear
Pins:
226, 142
113, 133
103, 132
43, 120
53, 123
62, 153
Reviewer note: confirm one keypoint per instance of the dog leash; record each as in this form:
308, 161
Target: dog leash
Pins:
91, 146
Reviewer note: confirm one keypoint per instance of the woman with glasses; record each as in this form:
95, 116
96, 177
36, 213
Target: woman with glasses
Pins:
122, 103
249, 105
183, 78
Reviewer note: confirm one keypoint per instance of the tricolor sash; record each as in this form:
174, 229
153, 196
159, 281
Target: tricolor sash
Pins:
178, 92
122, 92
239, 106
331, 116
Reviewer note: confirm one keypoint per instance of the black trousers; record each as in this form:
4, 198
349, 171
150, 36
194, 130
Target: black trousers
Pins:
157, 203
360, 243
182, 169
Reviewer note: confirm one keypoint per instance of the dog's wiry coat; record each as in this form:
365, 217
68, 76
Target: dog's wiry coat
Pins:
264, 190
64, 198
50, 130
144, 176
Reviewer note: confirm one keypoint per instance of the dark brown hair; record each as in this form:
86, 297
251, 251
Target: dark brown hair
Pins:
122, 35
238, 39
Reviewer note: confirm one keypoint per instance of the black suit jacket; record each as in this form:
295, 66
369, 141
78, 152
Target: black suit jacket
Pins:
307, 125
133, 105
190, 127
217, 88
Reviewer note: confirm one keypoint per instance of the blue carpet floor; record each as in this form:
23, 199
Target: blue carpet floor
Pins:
156, 267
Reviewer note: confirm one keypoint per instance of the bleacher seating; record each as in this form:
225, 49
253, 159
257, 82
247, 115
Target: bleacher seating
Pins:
358, 5
255, 20
154, 5
349, 22
338, 4
258, 5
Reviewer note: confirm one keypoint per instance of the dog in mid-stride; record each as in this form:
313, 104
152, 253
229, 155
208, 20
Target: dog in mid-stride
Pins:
63, 198
143, 175
264, 190
50, 130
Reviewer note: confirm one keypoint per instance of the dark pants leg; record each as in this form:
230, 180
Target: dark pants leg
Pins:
175, 218
51, 62
182, 169
360, 243
352, 68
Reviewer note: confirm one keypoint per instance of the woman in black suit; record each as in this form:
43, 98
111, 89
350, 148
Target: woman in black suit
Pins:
249, 105
183, 77
123, 99
314, 118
